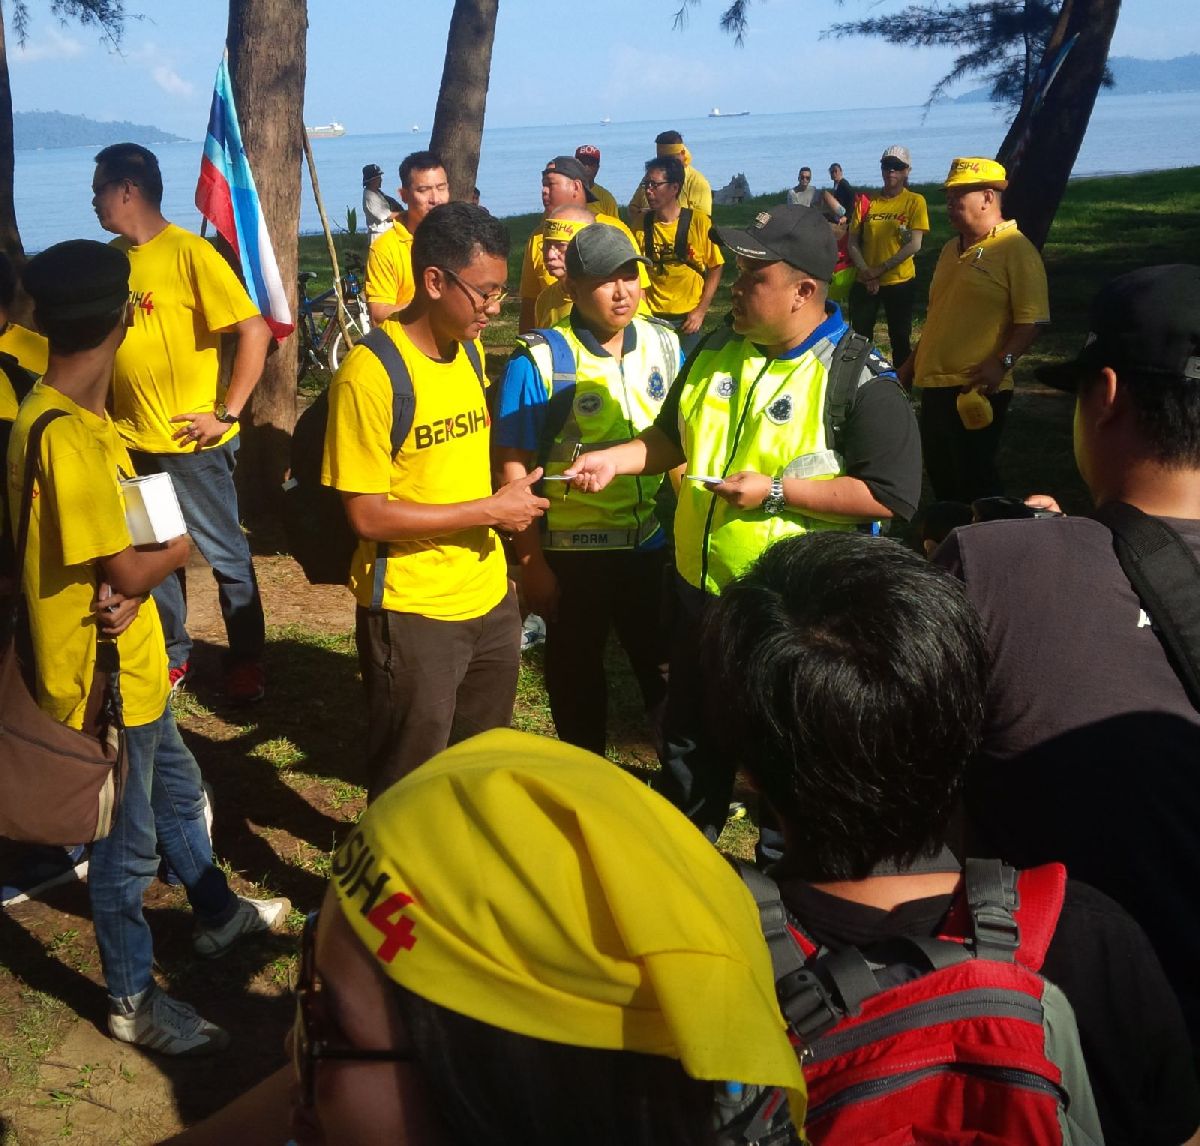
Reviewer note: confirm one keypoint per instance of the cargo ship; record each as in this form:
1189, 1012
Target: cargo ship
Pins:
326, 130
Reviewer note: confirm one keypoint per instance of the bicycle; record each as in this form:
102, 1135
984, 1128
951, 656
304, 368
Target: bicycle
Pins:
322, 343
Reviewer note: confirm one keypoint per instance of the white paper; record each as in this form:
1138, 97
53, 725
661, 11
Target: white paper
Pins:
707, 479
151, 509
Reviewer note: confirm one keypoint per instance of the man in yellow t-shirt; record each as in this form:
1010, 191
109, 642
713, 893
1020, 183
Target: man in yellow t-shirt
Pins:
604, 203
167, 403
988, 301
564, 184
438, 629
683, 276
26, 346
695, 192
86, 587
389, 278
881, 245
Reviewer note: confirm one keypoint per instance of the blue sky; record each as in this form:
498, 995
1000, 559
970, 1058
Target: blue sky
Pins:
560, 64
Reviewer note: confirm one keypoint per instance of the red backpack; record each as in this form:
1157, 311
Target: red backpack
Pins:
950, 1040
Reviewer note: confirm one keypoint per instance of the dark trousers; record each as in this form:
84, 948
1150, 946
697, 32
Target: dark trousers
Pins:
897, 302
433, 683
961, 463
696, 775
618, 589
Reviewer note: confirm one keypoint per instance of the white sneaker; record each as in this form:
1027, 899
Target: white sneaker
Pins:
251, 915
160, 1023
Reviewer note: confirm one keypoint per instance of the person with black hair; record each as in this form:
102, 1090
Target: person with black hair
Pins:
168, 404
85, 583
851, 678
389, 278
25, 347
438, 628
522, 944
696, 191
1091, 741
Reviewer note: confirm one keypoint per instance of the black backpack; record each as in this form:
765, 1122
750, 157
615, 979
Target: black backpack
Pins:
679, 249
318, 534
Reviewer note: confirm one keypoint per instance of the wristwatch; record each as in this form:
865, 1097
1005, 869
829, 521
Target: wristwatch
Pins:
223, 415
774, 503
1008, 361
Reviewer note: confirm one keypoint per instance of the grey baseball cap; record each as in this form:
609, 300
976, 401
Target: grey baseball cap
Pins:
599, 250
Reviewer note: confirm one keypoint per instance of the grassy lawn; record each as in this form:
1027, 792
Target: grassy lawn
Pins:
287, 773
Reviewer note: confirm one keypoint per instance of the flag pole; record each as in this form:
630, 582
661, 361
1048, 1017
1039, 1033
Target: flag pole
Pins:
337, 276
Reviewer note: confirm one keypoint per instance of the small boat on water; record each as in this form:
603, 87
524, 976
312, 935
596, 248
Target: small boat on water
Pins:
326, 130
717, 113
606, 121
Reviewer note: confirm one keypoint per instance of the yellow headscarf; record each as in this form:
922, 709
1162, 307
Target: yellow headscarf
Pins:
530, 885
562, 230
685, 156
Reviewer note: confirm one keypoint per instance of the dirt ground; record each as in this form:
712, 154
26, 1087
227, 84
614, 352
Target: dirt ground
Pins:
61, 1076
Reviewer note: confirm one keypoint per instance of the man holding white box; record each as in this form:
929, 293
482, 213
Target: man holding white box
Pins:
85, 581
166, 406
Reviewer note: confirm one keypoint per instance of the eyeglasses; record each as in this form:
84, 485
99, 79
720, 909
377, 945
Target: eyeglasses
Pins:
491, 298
647, 184
893, 165
110, 183
310, 1043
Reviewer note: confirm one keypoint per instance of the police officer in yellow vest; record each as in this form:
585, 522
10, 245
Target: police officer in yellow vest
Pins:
594, 380
748, 415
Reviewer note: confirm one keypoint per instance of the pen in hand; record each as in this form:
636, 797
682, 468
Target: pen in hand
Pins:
575, 452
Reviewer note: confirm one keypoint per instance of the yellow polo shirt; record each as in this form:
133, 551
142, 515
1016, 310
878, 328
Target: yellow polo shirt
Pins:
78, 518
444, 459
389, 267
28, 347
675, 288
880, 231
534, 276
605, 204
975, 299
182, 294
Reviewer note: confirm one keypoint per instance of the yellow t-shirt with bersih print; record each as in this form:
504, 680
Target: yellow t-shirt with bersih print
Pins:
444, 459
182, 294
882, 231
77, 518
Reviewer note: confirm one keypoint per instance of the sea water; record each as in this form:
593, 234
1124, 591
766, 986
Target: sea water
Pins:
1127, 134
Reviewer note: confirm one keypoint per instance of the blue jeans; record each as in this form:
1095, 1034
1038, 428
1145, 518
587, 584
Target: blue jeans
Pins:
207, 497
162, 809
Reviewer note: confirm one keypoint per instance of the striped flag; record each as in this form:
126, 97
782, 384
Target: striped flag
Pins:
227, 198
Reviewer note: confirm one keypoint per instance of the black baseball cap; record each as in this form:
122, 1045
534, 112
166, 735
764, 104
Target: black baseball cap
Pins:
1146, 322
77, 279
799, 236
569, 166
371, 171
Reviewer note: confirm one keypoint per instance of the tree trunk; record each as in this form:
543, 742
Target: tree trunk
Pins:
462, 100
10, 237
1044, 140
267, 61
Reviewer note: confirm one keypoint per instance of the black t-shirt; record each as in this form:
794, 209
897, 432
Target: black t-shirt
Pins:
1130, 1026
844, 194
1091, 748
880, 443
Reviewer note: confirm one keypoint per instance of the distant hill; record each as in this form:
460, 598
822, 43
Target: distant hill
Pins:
1133, 77
34, 129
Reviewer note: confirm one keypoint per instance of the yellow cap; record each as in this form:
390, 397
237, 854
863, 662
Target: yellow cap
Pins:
976, 172
535, 887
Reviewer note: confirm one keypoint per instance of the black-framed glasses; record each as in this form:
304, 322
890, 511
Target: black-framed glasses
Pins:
491, 298
310, 1042
647, 184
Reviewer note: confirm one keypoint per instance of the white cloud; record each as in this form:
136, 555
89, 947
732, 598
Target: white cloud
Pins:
53, 45
171, 81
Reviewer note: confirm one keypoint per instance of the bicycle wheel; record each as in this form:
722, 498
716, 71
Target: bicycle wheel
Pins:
338, 346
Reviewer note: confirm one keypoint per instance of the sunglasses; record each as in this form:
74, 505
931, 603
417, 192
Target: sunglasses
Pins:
310, 1041
491, 298
893, 165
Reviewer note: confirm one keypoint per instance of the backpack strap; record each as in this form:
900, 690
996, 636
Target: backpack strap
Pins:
992, 900
561, 386
33, 445
679, 248
22, 380
1165, 575
850, 357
